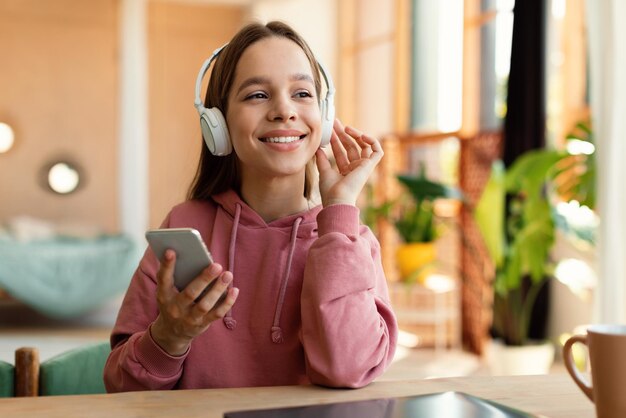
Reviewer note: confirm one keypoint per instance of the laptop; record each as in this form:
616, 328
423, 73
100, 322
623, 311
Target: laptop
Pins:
434, 405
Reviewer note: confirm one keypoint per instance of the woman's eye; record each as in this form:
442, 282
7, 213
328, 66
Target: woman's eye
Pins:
256, 96
303, 94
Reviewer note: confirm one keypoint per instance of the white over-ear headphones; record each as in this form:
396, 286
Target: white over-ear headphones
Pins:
213, 123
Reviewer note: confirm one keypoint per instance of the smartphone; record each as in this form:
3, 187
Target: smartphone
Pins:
192, 256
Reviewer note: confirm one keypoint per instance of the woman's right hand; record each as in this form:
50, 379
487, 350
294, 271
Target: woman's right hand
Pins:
182, 317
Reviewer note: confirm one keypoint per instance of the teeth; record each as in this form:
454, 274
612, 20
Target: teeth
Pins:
282, 139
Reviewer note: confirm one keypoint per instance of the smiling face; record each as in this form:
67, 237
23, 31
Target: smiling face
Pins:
273, 114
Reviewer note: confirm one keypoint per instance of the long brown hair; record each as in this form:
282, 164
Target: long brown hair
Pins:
218, 174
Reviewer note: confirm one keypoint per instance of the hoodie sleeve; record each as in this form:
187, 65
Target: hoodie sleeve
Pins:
136, 361
349, 330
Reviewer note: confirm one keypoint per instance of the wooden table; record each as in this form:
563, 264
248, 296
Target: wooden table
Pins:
554, 396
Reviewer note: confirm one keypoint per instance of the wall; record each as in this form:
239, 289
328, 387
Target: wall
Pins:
58, 84
367, 70
181, 36
315, 20
375, 60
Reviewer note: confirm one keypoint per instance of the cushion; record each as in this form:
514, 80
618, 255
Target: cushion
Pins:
6, 379
75, 372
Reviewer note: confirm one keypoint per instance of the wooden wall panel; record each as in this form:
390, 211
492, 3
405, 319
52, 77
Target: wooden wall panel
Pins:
58, 89
181, 37
59, 80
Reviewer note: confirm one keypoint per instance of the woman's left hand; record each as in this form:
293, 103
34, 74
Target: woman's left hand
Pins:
356, 155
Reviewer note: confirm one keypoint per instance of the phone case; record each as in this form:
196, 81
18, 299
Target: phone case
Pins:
192, 256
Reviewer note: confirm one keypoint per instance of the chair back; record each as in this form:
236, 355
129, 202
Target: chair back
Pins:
75, 372
7, 381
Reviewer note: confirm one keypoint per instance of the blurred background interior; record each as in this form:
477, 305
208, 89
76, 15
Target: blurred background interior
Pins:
503, 231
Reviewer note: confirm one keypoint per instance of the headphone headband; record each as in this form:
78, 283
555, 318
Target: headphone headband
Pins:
205, 67
330, 93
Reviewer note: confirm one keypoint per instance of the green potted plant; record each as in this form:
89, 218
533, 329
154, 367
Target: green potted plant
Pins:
515, 216
413, 216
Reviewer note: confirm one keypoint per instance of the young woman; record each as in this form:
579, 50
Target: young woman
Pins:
306, 296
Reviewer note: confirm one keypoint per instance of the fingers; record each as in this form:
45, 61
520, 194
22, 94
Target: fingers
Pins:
339, 152
362, 141
371, 147
195, 288
321, 159
222, 307
350, 147
187, 314
165, 276
209, 300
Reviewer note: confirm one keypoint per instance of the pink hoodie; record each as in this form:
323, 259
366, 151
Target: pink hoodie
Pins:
313, 305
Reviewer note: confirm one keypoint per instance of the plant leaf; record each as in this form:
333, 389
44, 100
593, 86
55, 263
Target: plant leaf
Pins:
489, 213
530, 171
422, 188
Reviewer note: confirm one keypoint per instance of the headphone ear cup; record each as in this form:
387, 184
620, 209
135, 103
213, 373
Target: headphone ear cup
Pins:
215, 132
328, 118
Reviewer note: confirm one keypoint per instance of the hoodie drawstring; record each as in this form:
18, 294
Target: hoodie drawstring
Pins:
229, 321
276, 331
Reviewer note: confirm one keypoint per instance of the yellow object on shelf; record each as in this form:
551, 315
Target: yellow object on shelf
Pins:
415, 259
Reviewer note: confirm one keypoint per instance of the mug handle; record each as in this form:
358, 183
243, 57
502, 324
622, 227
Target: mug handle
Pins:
582, 383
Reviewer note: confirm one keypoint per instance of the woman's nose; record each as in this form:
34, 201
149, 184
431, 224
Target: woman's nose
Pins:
282, 109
